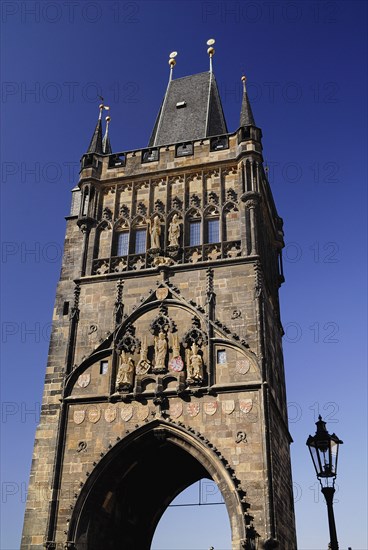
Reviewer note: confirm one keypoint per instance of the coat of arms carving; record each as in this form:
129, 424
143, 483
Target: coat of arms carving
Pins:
79, 416
126, 412
210, 407
246, 405
84, 379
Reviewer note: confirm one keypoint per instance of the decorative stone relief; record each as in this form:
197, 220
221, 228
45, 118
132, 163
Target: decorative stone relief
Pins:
195, 257
193, 409
162, 293
242, 366
82, 446
213, 198
228, 406
120, 266
104, 268
210, 407
142, 411
124, 211
236, 314
94, 414
107, 214
141, 208
176, 363
177, 203
138, 264
195, 201
126, 412
110, 414
79, 416
159, 206
144, 364
233, 252
231, 195
241, 436
214, 254
84, 379
176, 409
162, 260
246, 405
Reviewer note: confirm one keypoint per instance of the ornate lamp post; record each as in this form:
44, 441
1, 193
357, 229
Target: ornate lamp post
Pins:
324, 450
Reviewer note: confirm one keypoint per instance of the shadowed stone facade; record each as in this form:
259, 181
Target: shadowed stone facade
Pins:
165, 362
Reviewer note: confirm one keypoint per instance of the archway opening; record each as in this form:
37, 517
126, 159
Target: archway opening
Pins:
196, 518
129, 491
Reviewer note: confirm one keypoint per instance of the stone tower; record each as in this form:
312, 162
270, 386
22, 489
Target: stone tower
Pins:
165, 362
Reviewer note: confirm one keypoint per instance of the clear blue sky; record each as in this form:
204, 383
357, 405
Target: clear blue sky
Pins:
306, 69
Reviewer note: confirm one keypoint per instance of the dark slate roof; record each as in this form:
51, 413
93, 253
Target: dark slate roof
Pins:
95, 145
201, 117
246, 115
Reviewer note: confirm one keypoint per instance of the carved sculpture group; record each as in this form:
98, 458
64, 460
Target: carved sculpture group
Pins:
155, 232
162, 355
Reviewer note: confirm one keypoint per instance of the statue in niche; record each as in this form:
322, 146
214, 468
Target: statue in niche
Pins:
174, 231
160, 352
176, 363
144, 364
125, 377
155, 232
194, 365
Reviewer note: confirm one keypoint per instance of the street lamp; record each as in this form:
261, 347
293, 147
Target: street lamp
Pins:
324, 450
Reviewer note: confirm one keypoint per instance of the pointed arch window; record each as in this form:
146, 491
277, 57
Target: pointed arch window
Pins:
194, 233
213, 230
140, 241
122, 245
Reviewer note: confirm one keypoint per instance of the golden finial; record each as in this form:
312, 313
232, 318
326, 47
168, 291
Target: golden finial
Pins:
211, 50
102, 107
244, 80
172, 62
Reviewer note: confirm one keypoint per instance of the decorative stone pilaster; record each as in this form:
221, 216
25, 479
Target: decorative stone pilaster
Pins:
252, 200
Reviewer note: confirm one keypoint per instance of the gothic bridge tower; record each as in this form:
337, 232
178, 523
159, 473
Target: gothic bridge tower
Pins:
165, 362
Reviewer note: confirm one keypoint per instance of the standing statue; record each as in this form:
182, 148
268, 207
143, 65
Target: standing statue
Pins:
160, 352
144, 364
155, 232
194, 365
174, 231
125, 377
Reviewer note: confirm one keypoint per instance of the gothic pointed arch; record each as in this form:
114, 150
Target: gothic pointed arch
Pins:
147, 469
193, 227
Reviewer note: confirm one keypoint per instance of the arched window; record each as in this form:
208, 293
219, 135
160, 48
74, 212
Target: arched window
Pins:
193, 228
122, 243
194, 232
140, 240
121, 238
212, 226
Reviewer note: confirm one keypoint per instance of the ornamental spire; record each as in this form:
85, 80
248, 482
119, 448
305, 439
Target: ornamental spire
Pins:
95, 145
106, 145
246, 115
